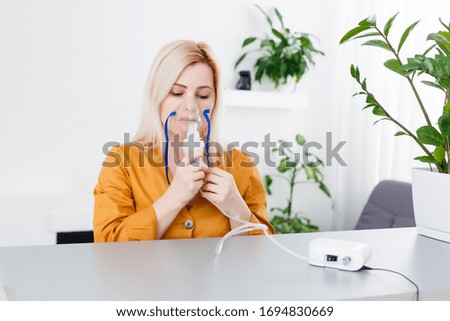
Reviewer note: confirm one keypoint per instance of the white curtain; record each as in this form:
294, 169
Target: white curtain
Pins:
372, 152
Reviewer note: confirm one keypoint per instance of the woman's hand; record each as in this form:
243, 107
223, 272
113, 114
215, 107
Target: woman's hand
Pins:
187, 180
221, 190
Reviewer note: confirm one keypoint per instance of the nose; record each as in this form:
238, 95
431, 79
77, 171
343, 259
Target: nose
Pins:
189, 109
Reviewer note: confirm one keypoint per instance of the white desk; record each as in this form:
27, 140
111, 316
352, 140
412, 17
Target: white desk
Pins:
249, 268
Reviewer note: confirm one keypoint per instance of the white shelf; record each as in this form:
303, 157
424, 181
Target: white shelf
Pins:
263, 99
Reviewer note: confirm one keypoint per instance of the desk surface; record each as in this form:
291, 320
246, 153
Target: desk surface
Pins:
249, 268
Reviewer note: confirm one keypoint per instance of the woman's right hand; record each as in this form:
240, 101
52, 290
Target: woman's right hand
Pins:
187, 180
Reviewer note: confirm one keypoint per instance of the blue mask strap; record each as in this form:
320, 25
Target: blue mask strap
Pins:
208, 121
166, 151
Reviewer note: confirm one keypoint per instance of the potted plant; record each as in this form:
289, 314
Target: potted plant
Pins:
284, 55
287, 220
431, 185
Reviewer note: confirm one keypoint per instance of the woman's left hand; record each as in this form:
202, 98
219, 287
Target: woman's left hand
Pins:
220, 189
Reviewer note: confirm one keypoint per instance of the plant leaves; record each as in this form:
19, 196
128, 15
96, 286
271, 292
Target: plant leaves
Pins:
394, 65
377, 43
439, 154
240, 60
300, 139
279, 35
426, 159
400, 133
405, 35
268, 182
388, 24
432, 84
355, 31
377, 110
265, 14
248, 41
369, 34
444, 125
325, 189
280, 17
429, 135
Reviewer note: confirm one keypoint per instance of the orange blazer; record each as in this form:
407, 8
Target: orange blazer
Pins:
133, 178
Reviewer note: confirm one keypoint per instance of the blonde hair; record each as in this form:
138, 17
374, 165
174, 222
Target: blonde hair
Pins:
167, 66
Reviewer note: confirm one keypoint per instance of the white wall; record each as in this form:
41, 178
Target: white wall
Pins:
72, 76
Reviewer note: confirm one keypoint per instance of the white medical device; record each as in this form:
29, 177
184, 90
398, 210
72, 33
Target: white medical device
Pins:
338, 254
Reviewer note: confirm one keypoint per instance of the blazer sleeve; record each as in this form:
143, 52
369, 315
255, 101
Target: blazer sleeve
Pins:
255, 198
115, 216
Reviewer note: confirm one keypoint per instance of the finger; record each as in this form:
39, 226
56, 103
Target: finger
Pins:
213, 188
217, 171
198, 175
209, 196
193, 159
209, 178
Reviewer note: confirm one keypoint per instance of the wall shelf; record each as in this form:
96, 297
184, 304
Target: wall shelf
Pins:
263, 99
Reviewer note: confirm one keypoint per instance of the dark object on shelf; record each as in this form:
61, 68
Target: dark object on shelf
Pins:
75, 237
244, 82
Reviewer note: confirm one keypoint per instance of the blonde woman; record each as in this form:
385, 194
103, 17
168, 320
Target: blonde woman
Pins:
153, 189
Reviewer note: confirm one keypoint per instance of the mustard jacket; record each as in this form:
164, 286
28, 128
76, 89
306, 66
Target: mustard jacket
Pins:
132, 179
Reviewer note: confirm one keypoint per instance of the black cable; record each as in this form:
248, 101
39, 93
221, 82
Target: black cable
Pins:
386, 270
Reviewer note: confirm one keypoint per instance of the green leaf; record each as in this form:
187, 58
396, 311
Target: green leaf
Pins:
369, 21
395, 66
279, 35
405, 35
325, 189
377, 110
267, 17
426, 159
280, 17
240, 60
369, 34
352, 70
444, 125
248, 41
429, 135
439, 154
355, 31
300, 139
380, 120
447, 107
400, 133
285, 165
309, 172
268, 182
377, 43
388, 24
432, 84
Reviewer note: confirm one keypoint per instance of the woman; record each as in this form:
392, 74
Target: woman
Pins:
153, 189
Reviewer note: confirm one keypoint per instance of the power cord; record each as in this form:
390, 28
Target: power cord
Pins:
387, 270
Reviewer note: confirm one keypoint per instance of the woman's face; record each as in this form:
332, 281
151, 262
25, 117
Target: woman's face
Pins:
194, 86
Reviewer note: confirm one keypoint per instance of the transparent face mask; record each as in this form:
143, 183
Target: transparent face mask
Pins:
190, 126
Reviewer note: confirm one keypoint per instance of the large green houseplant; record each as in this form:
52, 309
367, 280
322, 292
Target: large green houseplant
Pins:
283, 54
433, 137
287, 220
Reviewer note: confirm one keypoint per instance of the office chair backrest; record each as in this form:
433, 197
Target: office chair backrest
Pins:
390, 205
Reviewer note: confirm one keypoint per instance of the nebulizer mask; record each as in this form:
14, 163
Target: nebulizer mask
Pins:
187, 123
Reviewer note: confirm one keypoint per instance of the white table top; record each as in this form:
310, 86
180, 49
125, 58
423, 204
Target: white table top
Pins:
249, 268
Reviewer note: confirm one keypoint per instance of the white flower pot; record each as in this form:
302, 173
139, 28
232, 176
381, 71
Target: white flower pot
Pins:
431, 194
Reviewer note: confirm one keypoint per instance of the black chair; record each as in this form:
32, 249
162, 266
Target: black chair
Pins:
390, 205
74, 237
